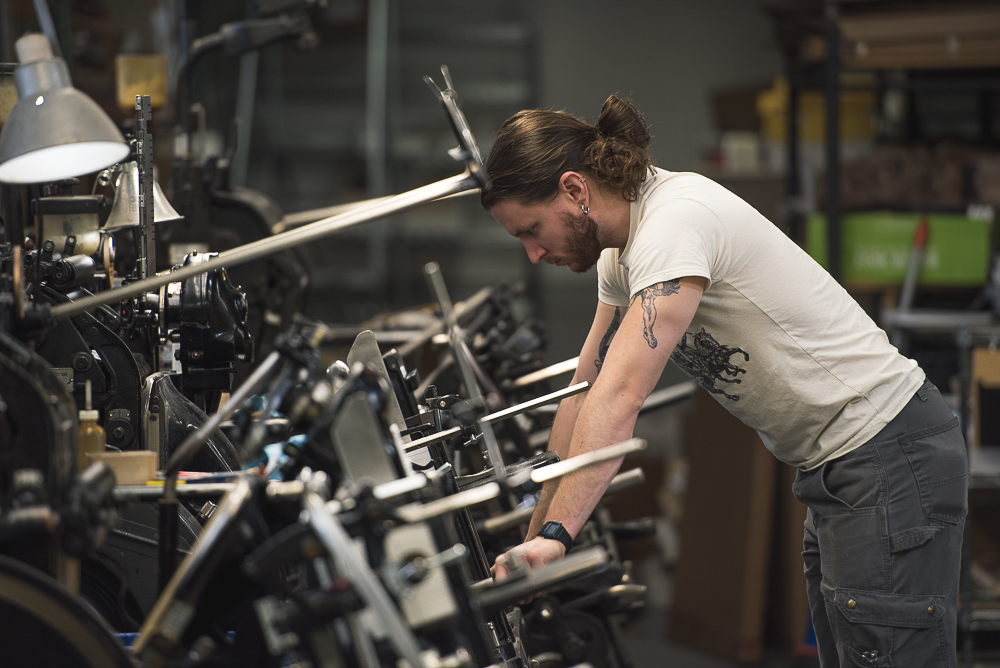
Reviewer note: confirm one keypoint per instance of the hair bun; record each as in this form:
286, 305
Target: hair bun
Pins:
619, 119
619, 154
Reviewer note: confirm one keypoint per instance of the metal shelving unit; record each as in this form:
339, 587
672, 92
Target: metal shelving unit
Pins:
818, 31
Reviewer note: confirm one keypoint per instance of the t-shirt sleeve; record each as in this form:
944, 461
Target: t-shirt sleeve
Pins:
612, 280
677, 238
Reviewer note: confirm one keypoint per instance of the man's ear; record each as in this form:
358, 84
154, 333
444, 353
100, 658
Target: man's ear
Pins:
574, 185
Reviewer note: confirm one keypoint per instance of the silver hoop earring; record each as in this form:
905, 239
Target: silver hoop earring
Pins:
585, 209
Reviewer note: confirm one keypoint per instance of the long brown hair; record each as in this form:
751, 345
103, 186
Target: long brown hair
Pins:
535, 147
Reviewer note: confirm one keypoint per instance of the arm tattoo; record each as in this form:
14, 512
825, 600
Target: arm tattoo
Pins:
602, 350
648, 299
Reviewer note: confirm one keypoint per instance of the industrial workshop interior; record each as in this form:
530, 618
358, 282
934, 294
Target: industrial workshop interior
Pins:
467, 334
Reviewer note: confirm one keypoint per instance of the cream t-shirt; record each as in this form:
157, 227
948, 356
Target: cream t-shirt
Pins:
775, 339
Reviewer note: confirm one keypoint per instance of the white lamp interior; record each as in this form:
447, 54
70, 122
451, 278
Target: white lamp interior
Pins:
62, 162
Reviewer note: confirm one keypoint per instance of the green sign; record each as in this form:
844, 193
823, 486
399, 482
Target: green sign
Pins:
876, 248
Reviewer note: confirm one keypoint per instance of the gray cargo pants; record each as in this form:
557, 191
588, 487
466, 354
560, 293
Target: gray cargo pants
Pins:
883, 542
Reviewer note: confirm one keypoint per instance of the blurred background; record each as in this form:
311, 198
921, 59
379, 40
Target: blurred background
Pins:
848, 124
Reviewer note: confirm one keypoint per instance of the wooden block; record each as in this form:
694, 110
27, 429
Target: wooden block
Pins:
920, 24
985, 376
788, 605
131, 468
140, 75
725, 535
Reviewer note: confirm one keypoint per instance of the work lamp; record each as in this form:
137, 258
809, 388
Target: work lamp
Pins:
54, 131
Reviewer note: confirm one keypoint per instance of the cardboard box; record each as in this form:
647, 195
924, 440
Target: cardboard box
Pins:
131, 468
984, 396
725, 536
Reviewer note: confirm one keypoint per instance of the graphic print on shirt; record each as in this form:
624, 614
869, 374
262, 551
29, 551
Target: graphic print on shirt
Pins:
708, 362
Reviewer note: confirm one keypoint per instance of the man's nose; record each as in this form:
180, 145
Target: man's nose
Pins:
535, 251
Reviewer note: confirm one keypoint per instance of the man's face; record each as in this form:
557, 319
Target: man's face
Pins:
555, 232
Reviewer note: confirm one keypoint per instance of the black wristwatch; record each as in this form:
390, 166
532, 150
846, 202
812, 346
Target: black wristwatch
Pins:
556, 531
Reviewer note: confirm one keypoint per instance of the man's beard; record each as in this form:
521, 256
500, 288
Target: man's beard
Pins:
583, 247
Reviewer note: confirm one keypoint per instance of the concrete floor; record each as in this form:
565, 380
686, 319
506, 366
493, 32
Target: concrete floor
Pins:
649, 647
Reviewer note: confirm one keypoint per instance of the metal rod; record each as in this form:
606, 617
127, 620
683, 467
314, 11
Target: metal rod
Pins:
144, 162
832, 93
271, 245
550, 398
48, 26
578, 462
433, 438
461, 353
462, 310
299, 218
668, 395
130, 492
556, 369
491, 595
168, 502
511, 519
420, 512
249, 387
793, 175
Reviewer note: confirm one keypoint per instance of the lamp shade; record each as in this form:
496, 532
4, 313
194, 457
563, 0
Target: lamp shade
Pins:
54, 131
125, 210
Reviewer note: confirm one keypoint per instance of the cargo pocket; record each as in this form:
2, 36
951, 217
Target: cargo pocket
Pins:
887, 630
940, 466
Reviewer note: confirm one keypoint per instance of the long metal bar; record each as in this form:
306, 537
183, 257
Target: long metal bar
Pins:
271, 245
421, 512
510, 520
491, 595
462, 309
249, 387
549, 398
832, 93
299, 218
131, 492
433, 438
48, 26
578, 462
144, 161
668, 395
461, 353
556, 369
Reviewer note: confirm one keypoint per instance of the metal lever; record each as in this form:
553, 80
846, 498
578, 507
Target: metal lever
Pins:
416, 569
418, 512
467, 150
556, 369
462, 356
567, 466
492, 595
552, 397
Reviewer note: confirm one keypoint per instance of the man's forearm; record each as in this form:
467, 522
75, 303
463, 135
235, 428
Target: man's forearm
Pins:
604, 419
559, 441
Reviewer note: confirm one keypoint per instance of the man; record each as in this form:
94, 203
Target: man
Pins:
688, 271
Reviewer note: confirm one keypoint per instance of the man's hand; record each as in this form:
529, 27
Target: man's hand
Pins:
535, 553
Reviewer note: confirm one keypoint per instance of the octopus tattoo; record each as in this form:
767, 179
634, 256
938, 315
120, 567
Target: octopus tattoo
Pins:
602, 349
647, 299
